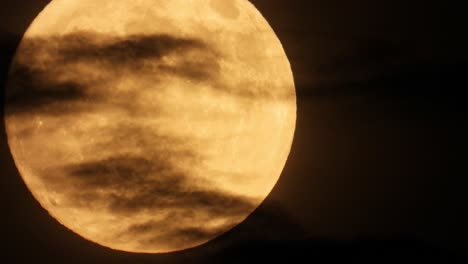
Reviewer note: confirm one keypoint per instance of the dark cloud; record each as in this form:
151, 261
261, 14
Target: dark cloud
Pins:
92, 46
138, 52
267, 92
148, 180
59, 74
29, 91
64, 70
135, 183
176, 236
126, 185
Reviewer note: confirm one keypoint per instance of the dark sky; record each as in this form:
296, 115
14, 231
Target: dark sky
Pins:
379, 161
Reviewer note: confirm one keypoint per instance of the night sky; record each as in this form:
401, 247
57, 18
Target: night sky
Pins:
378, 165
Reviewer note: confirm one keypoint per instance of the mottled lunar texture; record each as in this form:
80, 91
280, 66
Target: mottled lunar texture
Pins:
150, 125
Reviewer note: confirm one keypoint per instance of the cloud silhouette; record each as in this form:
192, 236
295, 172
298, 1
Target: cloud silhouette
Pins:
29, 91
152, 182
128, 185
139, 52
136, 183
60, 74
67, 71
138, 171
129, 49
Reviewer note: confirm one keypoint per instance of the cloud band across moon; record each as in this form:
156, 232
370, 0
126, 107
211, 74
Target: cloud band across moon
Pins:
61, 70
47, 71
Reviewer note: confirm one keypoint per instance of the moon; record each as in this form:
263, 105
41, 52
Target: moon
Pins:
150, 126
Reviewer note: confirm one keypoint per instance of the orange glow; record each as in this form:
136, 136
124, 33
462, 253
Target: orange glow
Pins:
149, 110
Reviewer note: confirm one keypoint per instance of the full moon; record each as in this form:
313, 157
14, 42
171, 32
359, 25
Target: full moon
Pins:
150, 125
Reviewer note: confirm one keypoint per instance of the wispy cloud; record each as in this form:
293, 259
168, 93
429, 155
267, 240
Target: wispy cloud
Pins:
62, 70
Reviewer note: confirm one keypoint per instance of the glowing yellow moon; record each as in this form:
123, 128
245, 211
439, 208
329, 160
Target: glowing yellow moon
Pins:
150, 125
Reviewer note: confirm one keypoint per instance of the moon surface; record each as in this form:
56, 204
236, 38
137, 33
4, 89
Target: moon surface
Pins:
150, 125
